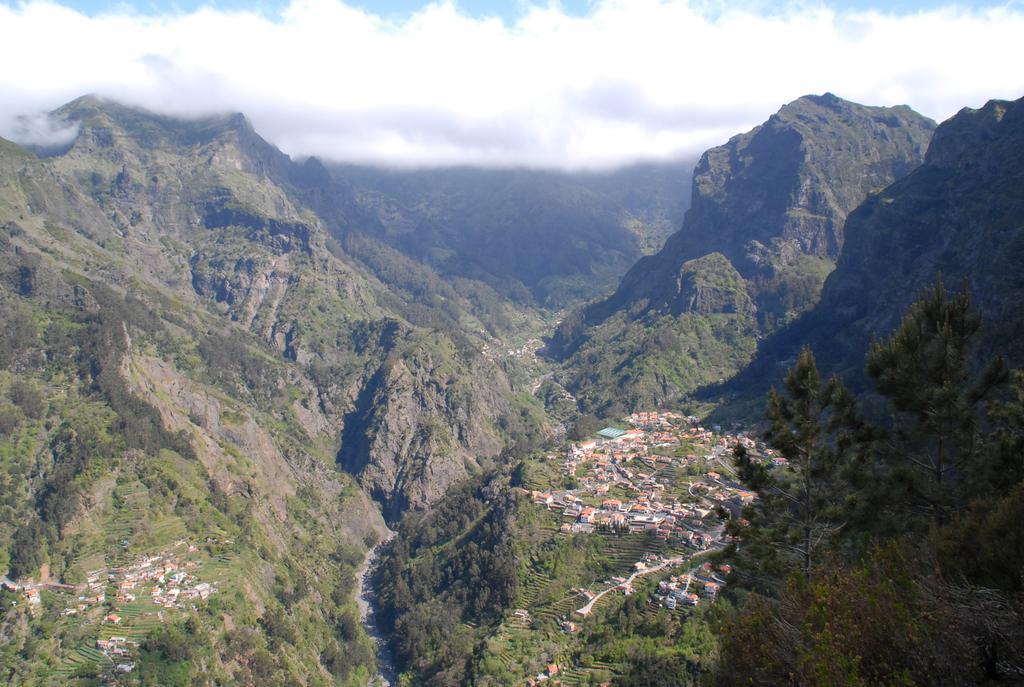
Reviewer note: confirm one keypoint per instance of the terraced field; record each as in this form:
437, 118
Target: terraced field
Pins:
163, 532
132, 499
523, 648
536, 582
218, 568
572, 677
621, 551
137, 621
557, 610
82, 658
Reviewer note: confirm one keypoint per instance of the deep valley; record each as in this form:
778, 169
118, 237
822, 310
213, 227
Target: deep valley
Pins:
756, 419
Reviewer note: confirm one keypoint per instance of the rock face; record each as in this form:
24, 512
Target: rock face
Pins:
959, 216
771, 203
419, 422
177, 384
710, 284
215, 229
780, 192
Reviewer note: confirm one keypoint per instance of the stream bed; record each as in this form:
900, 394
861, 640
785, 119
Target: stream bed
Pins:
366, 598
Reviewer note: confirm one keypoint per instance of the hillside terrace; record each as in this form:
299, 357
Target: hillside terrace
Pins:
124, 603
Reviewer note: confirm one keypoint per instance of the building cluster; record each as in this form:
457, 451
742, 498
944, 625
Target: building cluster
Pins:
164, 581
116, 647
31, 591
664, 475
703, 582
632, 460
164, 578
549, 673
522, 617
528, 351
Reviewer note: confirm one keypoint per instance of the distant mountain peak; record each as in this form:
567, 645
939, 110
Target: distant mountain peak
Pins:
959, 216
787, 186
770, 204
827, 99
106, 124
971, 130
95, 110
88, 100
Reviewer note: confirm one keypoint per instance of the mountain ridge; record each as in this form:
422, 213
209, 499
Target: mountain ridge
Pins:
959, 217
771, 201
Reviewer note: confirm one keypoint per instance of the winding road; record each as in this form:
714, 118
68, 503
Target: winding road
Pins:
585, 611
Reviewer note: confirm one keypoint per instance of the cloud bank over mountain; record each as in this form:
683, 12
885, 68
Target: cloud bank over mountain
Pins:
629, 80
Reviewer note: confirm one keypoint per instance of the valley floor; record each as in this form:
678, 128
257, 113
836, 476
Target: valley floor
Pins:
387, 674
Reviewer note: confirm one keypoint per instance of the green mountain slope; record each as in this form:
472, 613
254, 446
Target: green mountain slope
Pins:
772, 203
879, 540
189, 359
138, 424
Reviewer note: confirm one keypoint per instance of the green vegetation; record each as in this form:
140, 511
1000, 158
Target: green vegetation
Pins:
118, 484
799, 511
925, 370
625, 367
199, 336
901, 590
141, 412
455, 566
457, 581
843, 574
529, 236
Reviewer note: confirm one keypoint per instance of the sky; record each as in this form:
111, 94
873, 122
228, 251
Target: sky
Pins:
573, 84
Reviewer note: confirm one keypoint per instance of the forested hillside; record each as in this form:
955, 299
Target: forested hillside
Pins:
878, 542
548, 238
888, 551
135, 426
882, 546
224, 374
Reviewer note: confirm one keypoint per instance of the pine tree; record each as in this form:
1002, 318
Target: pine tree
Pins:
925, 370
798, 509
1004, 461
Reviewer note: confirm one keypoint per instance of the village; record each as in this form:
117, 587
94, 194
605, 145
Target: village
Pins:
668, 481
667, 476
653, 478
129, 600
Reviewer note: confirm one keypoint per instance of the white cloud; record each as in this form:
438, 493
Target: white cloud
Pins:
42, 131
632, 79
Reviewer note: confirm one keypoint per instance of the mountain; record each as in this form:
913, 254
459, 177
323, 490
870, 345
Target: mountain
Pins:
189, 364
926, 483
959, 216
549, 238
766, 217
139, 423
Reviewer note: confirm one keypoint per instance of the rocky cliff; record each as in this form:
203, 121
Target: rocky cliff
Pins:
216, 214
959, 216
772, 203
424, 417
778, 193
